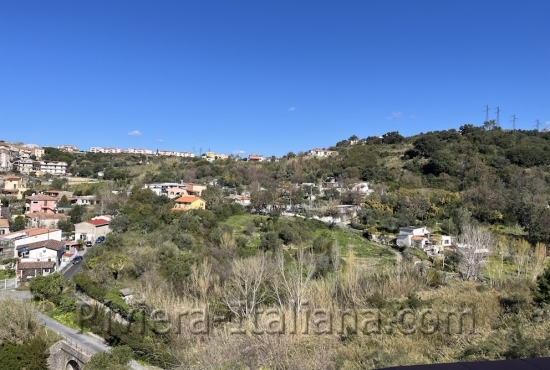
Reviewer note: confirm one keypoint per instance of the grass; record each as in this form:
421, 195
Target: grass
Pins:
367, 253
66, 318
4, 274
239, 223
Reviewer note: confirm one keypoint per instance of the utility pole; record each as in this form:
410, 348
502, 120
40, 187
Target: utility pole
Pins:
498, 116
514, 118
487, 113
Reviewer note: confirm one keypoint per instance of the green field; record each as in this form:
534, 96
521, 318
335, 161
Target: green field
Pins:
365, 252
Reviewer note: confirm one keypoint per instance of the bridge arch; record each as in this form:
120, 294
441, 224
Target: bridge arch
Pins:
72, 365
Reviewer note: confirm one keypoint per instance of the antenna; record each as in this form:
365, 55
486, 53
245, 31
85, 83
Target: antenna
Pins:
487, 113
498, 116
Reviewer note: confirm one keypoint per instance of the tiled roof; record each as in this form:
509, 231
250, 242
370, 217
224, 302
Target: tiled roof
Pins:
28, 232
12, 178
35, 265
187, 199
50, 216
99, 222
50, 244
41, 197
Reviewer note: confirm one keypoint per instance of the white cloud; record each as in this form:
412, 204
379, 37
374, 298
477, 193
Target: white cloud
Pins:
238, 152
291, 109
395, 115
134, 133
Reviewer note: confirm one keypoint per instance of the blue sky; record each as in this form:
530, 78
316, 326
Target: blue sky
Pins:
265, 76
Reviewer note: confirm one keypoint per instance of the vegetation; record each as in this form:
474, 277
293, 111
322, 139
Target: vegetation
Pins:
117, 359
24, 344
485, 186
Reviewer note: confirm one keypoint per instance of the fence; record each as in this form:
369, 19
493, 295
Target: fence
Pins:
9, 284
76, 346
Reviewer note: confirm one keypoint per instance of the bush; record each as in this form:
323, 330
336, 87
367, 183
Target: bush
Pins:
83, 284
67, 304
47, 288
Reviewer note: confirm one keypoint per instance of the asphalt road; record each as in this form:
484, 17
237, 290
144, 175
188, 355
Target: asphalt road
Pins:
73, 269
89, 343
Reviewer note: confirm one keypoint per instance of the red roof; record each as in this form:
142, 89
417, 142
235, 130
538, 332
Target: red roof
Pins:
187, 199
98, 222
12, 178
417, 237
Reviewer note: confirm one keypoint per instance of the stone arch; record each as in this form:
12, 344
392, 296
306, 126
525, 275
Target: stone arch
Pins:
72, 365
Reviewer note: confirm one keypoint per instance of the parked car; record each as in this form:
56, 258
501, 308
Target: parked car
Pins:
77, 259
89, 243
101, 239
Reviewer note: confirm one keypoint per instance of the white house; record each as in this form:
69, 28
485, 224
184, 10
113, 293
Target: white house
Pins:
162, 188
9, 242
51, 167
138, 151
363, 188
92, 229
48, 250
243, 200
411, 236
321, 153
43, 219
98, 149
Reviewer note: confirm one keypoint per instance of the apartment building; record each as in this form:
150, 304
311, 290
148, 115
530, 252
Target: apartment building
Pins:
138, 151
173, 153
68, 148
51, 167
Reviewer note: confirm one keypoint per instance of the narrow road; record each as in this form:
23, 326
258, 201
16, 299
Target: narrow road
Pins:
86, 341
73, 269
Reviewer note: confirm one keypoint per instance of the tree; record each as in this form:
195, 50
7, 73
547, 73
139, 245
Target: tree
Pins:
294, 280
18, 223
119, 224
117, 359
478, 245
65, 226
59, 183
246, 288
64, 201
47, 287
212, 195
270, 241
392, 138
538, 259
541, 292
76, 214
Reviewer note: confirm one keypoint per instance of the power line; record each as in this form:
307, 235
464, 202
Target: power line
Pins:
498, 116
537, 125
514, 118
487, 113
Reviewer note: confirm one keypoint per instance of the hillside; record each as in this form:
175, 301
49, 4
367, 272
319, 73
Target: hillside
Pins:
356, 304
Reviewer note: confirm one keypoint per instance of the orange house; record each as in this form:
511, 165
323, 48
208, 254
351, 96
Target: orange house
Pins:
188, 202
